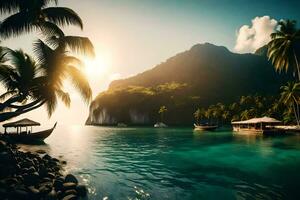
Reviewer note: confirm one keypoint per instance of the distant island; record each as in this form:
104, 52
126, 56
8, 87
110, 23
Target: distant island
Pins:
204, 75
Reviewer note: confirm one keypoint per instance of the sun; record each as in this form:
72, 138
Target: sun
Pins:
95, 67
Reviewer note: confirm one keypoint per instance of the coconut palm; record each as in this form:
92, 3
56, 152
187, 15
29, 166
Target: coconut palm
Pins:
54, 66
284, 48
19, 77
161, 111
290, 98
30, 15
198, 114
57, 65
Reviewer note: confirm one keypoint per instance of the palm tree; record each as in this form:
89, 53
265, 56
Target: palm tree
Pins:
198, 114
54, 63
161, 111
284, 48
20, 79
290, 98
30, 15
57, 64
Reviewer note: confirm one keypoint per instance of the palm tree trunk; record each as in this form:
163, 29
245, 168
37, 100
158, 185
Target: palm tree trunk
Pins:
8, 115
11, 100
297, 64
295, 113
296, 110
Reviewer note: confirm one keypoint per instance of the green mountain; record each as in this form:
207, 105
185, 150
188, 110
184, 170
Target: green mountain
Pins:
204, 75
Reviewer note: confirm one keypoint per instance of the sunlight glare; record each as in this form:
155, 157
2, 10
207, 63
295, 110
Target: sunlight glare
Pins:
98, 66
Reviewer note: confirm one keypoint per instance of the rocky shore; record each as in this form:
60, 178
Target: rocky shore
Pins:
31, 176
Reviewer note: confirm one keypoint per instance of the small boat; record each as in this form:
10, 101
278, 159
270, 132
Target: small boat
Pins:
121, 125
205, 127
27, 136
160, 125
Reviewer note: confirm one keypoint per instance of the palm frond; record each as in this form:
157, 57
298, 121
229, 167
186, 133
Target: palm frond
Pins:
80, 83
80, 45
7, 94
50, 30
73, 61
42, 52
62, 16
64, 97
9, 6
17, 24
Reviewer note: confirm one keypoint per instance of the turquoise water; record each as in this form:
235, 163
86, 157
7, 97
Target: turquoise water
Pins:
177, 163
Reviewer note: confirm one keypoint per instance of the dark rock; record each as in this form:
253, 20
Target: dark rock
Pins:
52, 195
58, 184
7, 158
40, 151
70, 197
3, 193
31, 170
19, 195
71, 178
68, 192
11, 181
46, 157
81, 190
33, 190
45, 188
46, 179
51, 175
2, 145
59, 194
69, 185
26, 164
31, 179
43, 171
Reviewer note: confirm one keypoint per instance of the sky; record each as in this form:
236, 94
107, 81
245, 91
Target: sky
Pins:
131, 36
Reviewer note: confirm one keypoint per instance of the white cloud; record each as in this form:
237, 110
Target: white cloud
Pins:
250, 38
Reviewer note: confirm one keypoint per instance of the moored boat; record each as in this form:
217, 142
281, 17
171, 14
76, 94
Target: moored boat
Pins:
205, 127
121, 125
26, 135
160, 125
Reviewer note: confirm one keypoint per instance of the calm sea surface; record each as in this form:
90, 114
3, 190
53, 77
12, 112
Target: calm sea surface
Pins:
177, 163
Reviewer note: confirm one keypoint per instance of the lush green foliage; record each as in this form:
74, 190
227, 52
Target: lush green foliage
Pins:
200, 77
284, 48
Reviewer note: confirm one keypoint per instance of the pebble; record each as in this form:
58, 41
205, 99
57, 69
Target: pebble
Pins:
25, 175
70, 197
71, 178
69, 185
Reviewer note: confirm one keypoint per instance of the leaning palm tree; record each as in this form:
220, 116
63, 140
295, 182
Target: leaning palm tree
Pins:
29, 15
290, 98
54, 66
161, 111
19, 77
284, 48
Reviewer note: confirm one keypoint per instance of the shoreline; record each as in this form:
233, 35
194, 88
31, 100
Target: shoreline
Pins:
35, 175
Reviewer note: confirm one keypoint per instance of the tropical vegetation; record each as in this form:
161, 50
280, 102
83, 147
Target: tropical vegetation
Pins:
162, 110
284, 107
284, 48
30, 83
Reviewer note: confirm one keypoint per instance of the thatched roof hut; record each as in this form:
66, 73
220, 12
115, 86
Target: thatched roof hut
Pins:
22, 123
